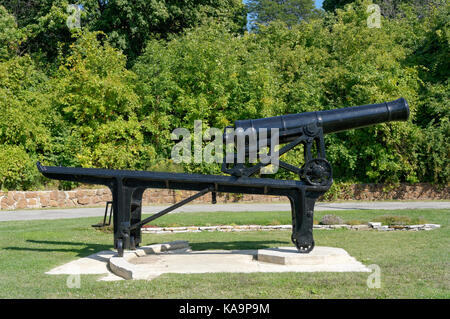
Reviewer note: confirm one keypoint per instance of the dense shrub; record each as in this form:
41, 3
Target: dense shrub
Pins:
10, 35
208, 74
94, 92
26, 117
17, 170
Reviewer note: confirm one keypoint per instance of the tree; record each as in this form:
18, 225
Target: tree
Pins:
206, 74
128, 23
337, 61
26, 122
10, 35
388, 8
94, 92
289, 11
44, 23
331, 5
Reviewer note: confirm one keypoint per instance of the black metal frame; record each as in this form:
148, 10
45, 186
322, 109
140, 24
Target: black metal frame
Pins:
127, 186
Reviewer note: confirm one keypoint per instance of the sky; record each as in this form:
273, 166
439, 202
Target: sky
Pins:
318, 3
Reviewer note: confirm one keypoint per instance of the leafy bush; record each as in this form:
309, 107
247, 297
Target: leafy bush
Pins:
95, 93
336, 61
17, 170
10, 35
78, 103
207, 74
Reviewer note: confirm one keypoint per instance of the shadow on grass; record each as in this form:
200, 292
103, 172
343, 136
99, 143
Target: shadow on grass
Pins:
81, 251
90, 248
237, 245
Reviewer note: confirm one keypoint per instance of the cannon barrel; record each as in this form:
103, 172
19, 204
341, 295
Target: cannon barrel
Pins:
292, 125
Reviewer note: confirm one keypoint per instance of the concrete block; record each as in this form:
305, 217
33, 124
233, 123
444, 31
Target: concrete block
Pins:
290, 256
121, 267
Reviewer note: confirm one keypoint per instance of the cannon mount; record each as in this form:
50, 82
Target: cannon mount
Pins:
127, 187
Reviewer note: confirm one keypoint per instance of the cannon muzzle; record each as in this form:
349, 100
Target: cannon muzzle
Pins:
293, 125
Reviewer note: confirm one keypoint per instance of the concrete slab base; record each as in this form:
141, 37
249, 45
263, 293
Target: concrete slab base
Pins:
95, 264
99, 263
282, 259
149, 262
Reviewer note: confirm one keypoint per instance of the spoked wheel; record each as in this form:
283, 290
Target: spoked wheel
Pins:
318, 172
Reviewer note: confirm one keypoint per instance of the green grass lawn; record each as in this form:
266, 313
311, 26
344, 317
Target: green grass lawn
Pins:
413, 264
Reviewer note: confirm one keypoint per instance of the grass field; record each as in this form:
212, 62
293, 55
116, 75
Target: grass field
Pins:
413, 264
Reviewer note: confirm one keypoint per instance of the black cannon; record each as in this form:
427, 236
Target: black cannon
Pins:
315, 176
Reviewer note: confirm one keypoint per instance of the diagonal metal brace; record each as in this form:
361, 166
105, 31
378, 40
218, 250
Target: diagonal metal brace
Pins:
171, 208
108, 203
252, 170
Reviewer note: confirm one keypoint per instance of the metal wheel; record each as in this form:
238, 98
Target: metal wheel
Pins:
317, 172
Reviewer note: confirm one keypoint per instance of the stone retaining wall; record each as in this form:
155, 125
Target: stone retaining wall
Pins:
369, 192
240, 228
98, 197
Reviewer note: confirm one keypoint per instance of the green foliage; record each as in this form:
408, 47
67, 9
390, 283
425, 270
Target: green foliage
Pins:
27, 122
336, 62
338, 191
70, 97
128, 23
331, 5
96, 87
94, 92
433, 152
17, 170
291, 12
207, 74
145, 19
388, 8
26, 114
10, 35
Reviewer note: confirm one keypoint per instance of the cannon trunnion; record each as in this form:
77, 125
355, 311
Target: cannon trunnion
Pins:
127, 187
